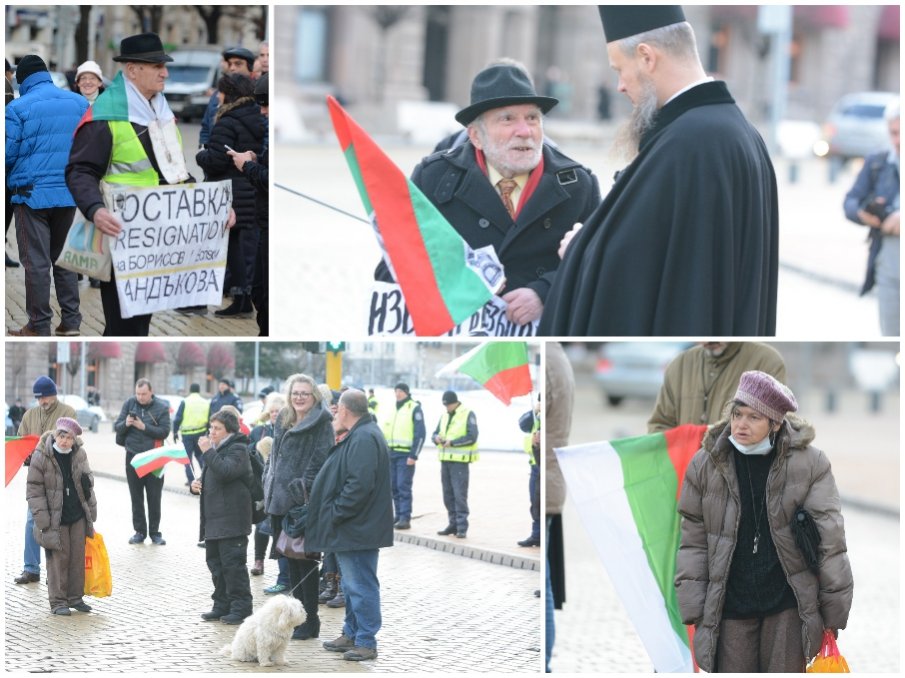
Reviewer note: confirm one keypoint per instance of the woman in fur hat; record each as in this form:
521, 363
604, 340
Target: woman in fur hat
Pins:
762, 569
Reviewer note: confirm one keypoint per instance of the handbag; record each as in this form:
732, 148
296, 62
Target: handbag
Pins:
829, 660
294, 547
98, 580
86, 250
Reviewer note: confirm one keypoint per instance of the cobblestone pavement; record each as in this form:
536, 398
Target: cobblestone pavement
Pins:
163, 324
441, 612
867, 473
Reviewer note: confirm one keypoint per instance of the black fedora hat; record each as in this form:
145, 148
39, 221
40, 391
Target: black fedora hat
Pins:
144, 47
498, 86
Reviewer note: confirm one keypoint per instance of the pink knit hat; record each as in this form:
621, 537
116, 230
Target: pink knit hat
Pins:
763, 393
69, 425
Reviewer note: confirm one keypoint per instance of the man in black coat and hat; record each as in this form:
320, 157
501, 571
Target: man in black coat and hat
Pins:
507, 188
686, 242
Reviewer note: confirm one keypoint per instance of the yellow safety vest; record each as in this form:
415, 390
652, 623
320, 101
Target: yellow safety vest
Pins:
195, 414
129, 164
529, 447
400, 429
457, 429
372, 405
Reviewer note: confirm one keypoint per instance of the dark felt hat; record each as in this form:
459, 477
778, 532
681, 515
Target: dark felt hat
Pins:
30, 64
624, 21
145, 48
498, 86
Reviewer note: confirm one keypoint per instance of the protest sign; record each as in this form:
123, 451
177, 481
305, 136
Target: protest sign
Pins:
172, 249
388, 316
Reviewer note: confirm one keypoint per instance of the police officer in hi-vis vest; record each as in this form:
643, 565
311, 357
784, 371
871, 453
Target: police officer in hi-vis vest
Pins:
405, 434
456, 438
191, 423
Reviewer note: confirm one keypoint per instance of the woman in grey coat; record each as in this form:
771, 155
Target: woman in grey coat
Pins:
60, 493
303, 435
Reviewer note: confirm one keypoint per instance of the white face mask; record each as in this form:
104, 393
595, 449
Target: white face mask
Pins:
61, 450
757, 449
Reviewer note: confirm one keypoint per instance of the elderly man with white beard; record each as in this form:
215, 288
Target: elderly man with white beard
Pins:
506, 187
686, 241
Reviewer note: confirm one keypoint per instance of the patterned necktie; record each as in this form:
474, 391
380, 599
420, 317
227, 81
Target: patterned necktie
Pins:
506, 187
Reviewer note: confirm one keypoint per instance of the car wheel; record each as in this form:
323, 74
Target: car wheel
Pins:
614, 400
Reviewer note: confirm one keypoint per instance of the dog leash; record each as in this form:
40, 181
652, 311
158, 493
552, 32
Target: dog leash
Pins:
315, 569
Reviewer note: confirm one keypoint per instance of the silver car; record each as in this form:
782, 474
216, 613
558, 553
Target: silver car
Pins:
855, 127
635, 369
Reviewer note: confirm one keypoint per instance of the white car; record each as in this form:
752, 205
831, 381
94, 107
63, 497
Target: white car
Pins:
88, 416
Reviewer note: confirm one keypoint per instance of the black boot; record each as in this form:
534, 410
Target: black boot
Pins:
329, 591
240, 308
310, 629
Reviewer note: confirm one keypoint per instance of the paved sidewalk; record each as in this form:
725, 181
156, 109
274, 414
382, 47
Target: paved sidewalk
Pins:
441, 612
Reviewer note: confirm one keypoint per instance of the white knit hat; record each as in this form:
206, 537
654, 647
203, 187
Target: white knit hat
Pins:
89, 67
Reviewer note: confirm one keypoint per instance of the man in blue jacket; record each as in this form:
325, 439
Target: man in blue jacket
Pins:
350, 514
39, 129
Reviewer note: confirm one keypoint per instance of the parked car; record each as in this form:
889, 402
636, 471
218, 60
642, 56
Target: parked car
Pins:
175, 401
855, 127
634, 369
193, 77
88, 416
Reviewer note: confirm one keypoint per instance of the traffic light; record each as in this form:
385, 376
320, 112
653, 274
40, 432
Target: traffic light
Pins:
336, 346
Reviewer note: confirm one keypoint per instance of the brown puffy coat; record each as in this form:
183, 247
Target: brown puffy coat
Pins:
710, 508
45, 487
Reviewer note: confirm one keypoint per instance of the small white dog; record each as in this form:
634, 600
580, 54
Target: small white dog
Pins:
264, 635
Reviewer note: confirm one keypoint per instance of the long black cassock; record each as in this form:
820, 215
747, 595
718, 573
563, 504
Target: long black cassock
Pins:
686, 242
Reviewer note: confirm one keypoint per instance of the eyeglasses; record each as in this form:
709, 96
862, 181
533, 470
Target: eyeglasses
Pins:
301, 394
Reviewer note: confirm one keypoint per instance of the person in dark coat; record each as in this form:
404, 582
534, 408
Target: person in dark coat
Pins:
350, 514
256, 170
303, 436
471, 184
238, 126
226, 516
225, 396
686, 241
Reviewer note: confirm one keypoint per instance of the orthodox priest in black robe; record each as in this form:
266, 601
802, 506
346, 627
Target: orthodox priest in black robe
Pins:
686, 241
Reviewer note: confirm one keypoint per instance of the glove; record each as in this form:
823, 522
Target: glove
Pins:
175, 437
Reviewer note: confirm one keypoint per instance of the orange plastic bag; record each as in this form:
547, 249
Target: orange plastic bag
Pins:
828, 659
98, 580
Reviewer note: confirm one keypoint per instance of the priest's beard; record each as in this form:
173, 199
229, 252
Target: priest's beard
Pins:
628, 138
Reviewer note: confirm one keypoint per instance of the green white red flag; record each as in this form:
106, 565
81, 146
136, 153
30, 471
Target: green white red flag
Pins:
499, 366
626, 493
17, 450
443, 280
154, 460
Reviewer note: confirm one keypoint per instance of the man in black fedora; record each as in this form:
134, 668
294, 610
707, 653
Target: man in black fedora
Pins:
147, 152
507, 188
685, 243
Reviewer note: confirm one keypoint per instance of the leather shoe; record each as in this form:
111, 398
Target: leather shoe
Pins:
232, 618
213, 615
358, 654
11, 263
341, 644
311, 628
530, 541
24, 331
64, 331
403, 525
449, 529
62, 611
82, 607
137, 538
460, 535
27, 578
158, 539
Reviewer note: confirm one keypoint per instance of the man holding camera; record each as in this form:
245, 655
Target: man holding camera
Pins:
142, 425
874, 202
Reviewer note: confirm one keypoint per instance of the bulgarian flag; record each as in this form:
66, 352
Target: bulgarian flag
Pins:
626, 492
499, 366
154, 460
17, 450
111, 104
443, 280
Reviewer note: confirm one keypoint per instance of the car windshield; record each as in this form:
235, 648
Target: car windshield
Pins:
864, 110
188, 73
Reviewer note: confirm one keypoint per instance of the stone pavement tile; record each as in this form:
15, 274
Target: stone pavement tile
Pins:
440, 612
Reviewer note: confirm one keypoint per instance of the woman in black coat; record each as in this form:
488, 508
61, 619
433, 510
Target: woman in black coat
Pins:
238, 126
226, 516
303, 436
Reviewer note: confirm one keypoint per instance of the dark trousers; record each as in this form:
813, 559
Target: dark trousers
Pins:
298, 570
138, 487
66, 567
241, 254
768, 645
190, 443
261, 541
534, 492
454, 476
402, 475
226, 561
41, 235
114, 324
260, 286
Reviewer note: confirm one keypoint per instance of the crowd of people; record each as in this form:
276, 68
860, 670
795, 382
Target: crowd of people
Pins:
60, 156
317, 462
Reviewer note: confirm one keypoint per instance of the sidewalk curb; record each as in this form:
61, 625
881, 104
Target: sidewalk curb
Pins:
473, 552
870, 506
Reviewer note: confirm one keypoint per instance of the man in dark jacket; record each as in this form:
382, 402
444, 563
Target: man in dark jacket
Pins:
505, 187
686, 241
226, 517
350, 513
142, 425
226, 397
39, 128
235, 60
